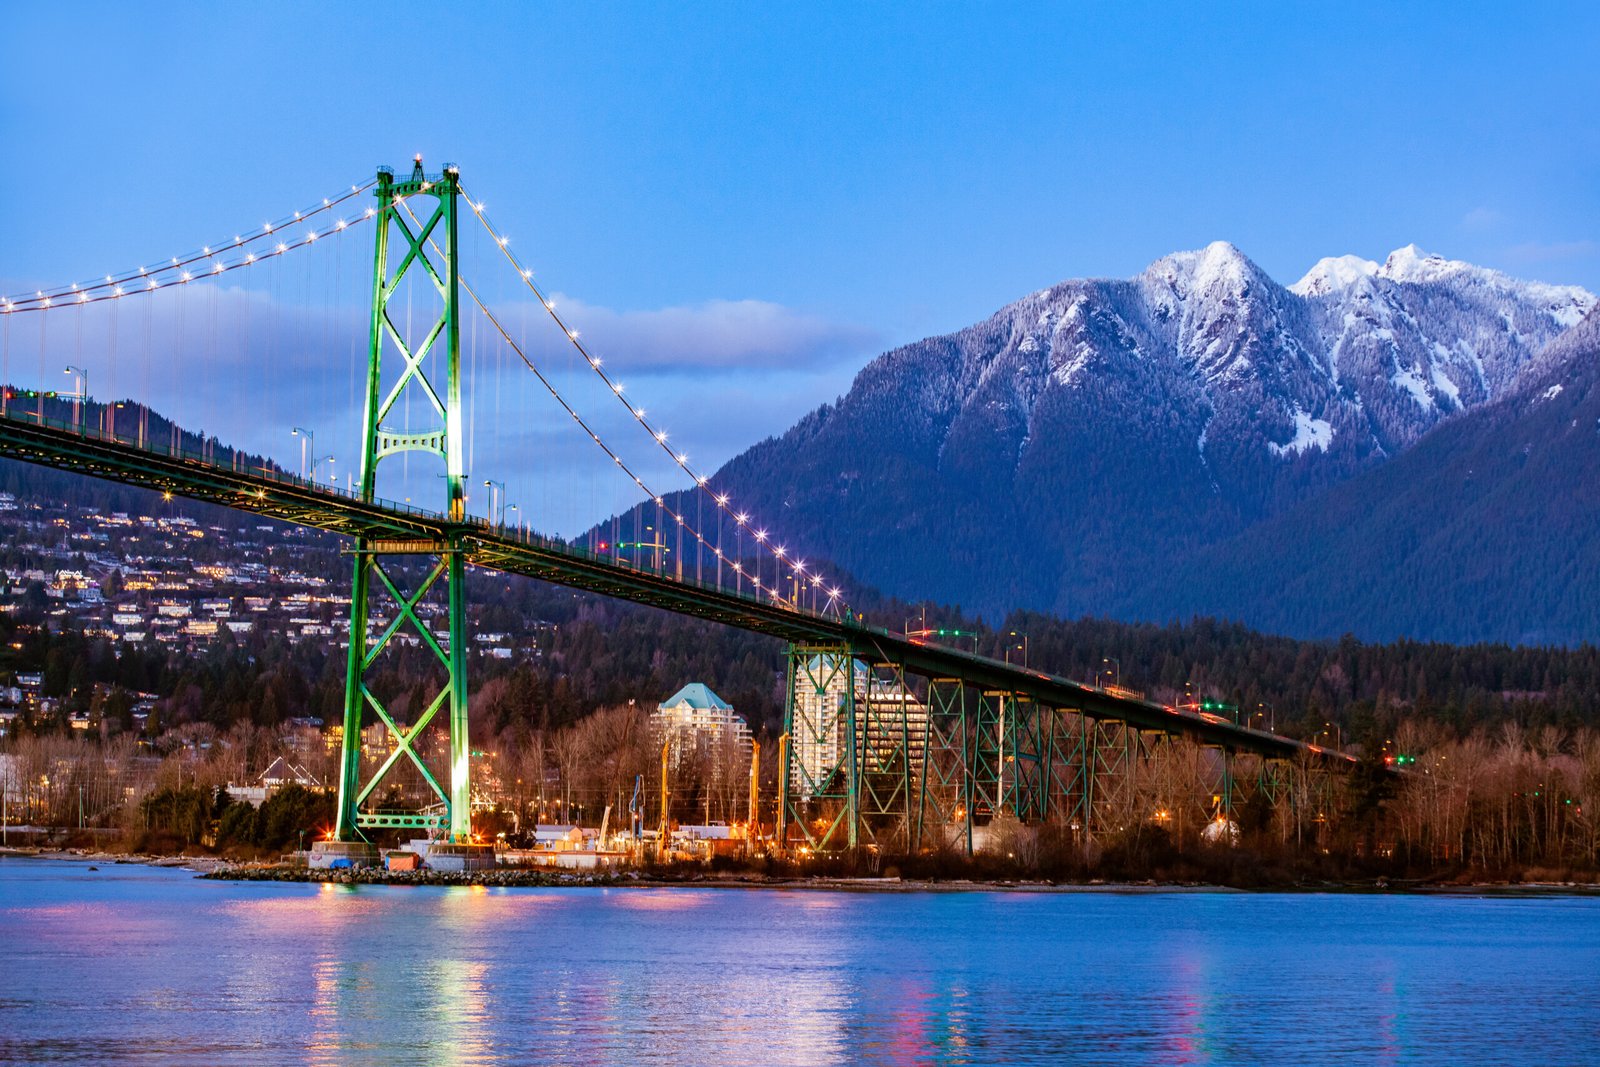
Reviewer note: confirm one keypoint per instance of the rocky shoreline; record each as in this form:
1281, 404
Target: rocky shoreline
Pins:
525, 878
214, 868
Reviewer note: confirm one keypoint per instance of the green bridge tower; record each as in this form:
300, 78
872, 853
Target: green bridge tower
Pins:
448, 819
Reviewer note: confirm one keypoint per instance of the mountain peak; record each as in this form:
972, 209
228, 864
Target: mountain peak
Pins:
1334, 274
1412, 264
1219, 265
1085, 437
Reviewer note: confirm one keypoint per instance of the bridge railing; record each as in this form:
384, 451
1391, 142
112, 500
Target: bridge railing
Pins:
206, 457
955, 662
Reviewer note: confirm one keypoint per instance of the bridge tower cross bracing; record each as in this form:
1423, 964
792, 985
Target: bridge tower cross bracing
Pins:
820, 782
381, 441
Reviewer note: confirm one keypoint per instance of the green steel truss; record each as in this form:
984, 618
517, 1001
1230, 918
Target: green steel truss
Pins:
382, 440
943, 794
888, 713
820, 787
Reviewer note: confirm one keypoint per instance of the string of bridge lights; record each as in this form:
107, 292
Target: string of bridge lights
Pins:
701, 481
177, 270
659, 435
797, 567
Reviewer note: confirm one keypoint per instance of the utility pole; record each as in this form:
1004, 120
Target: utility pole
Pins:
497, 515
1271, 716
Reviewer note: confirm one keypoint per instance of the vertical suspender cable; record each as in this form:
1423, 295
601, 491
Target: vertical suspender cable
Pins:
410, 339
42, 335
80, 407
111, 394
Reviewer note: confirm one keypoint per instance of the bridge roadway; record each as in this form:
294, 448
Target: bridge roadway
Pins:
400, 527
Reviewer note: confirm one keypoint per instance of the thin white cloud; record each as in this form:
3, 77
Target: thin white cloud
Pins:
714, 335
1551, 252
247, 365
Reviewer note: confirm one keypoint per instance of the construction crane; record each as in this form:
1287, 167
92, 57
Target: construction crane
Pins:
753, 825
636, 819
661, 838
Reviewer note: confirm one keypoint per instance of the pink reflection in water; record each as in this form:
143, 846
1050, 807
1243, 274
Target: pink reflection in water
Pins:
1185, 1018
660, 900
910, 1024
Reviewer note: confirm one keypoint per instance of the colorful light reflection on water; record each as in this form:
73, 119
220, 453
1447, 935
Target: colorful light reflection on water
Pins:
131, 964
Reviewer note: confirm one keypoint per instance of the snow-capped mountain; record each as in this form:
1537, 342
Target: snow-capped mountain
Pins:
1444, 334
1488, 529
1054, 455
1353, 362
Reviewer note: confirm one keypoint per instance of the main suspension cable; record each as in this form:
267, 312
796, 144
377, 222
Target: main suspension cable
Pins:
174, 271
797, 568
702, 482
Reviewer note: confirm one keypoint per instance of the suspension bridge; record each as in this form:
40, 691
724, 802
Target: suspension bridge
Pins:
883, 731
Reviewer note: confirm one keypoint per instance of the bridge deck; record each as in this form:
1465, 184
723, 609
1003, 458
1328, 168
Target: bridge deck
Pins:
293, 499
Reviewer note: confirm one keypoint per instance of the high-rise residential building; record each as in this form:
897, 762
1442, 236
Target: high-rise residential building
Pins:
694, 721
890, 724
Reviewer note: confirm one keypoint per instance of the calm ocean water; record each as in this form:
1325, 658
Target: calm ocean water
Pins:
132, 964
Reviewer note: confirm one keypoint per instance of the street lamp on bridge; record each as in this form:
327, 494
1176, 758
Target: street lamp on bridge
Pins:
497, 504
307, 440
1270, 714
80, 397
1116, 678
1336, 730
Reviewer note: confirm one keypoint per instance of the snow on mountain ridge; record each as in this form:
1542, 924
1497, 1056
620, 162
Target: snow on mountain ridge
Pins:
1308, 433
1332, 274
1411, 265
1219, 263
1090, 433
1351, 364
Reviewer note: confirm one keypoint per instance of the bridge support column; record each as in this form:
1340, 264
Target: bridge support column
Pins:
889, 718
944, 800
460, 750
1027, 757
393, 578
345, 820
822, 765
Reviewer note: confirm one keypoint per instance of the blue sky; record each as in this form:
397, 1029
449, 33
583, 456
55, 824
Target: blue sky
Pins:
743, 204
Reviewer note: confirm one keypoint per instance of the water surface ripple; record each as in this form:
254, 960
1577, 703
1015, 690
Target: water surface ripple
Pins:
137, 965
